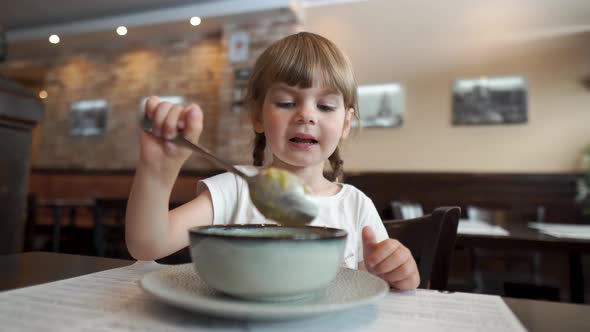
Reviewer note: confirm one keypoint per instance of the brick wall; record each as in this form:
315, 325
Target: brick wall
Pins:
196, 68
235, 134
123, 77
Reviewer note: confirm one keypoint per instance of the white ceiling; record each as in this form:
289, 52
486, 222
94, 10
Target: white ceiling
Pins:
30, 22
75, 17
83, 24
27, 14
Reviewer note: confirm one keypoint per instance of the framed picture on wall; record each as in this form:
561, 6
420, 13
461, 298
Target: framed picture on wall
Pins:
380, 105
238, 47
490, 100
88, 117
241, 77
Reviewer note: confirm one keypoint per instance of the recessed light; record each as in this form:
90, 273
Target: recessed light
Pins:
42, 94
195, 20
54, 39
121, 31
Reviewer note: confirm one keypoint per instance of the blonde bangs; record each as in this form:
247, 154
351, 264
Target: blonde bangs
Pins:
301, 60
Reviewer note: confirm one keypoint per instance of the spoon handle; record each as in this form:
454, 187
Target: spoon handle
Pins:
146, 125
209, 155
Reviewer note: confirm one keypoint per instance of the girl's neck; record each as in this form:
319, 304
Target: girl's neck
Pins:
313, 176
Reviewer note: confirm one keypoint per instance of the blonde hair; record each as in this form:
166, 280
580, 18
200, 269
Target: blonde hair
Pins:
300, 60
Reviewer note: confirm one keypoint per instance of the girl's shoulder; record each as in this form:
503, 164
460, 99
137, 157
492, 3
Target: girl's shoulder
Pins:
353, 192
227, 180
348, 195
248, 169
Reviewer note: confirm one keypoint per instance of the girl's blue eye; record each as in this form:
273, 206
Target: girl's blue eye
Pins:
286, 105
325, 108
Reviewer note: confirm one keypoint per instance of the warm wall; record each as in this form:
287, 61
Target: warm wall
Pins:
123, 76
426, 48
196, 68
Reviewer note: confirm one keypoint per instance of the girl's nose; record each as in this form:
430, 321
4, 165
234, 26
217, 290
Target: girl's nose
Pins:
306, 115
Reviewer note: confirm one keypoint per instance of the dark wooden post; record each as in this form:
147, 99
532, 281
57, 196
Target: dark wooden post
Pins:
20, 111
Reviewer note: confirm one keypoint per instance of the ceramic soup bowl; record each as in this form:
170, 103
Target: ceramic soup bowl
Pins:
267, 262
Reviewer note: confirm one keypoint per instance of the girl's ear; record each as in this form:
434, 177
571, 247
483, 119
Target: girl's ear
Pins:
347, 123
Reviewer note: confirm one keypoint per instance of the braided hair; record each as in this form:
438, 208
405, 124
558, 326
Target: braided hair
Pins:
337, 165
259, 146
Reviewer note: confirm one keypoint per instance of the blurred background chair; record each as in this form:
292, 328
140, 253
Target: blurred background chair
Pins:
54, 225
514, 273
109, 227
109, 231
406, 210
431, 239
30, 223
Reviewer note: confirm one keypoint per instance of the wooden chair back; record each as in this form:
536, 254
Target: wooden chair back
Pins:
431, 239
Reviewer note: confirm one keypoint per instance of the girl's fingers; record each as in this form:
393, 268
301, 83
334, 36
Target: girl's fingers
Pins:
193, 119
169, 119
394, 261
381, 251
404, 271
150, 106
170, 127
159, 117
369, 242
412, 281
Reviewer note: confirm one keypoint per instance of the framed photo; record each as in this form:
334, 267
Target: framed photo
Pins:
242, 75
380, 105
88, 117
238, 47
490, 100
238, 95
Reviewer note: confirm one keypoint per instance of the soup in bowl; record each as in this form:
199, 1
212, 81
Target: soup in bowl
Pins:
267, 262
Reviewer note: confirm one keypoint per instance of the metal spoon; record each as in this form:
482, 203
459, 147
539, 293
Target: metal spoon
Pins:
278, 194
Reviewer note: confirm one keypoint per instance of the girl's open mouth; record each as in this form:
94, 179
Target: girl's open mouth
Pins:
303, 142
300, 140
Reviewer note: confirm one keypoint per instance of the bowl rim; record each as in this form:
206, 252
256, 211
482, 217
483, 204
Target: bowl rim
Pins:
336, 234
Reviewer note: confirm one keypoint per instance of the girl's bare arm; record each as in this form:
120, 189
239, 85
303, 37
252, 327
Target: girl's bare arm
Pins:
153, 232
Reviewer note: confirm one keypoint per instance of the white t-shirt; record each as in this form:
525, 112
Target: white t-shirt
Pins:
349, 209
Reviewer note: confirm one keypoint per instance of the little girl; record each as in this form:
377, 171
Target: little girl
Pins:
302, 97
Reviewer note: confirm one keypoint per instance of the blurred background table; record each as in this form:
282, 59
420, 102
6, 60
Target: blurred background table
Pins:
523, 237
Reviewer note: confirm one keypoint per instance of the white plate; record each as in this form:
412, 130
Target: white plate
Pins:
181, 286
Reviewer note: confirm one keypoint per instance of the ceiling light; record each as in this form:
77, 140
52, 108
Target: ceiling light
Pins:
54, 39
42, 94
121, 31
195, 20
